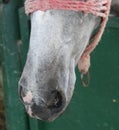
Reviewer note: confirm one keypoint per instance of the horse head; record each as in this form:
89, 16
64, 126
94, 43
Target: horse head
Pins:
58, 39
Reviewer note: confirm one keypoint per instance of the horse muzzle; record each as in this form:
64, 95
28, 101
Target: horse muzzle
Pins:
46, 109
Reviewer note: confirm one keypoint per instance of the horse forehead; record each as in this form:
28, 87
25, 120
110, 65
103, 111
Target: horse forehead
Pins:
60, 26
56, 22
54, 30
52, 34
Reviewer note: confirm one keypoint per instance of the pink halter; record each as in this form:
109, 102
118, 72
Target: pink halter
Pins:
97, 7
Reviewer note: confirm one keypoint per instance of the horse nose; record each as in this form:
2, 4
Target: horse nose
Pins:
21, 93
45, 110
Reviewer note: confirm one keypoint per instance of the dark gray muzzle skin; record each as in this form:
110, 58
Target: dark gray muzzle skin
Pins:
58, 39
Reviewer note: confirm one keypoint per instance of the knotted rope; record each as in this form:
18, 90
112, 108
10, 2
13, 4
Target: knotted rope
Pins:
99, 8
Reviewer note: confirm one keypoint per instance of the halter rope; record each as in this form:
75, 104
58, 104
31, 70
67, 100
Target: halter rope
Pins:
99, 8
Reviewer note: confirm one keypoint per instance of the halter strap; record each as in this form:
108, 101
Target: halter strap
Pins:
84, 62
99, 8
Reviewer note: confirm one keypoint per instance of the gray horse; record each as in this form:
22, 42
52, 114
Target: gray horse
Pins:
58, 39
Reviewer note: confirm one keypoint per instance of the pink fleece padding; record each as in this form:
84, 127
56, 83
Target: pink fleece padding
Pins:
91, 6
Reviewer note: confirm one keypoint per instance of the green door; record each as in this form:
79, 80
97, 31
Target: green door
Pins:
92, 108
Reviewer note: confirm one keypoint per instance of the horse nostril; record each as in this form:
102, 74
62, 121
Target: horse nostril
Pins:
21, 94
56, 100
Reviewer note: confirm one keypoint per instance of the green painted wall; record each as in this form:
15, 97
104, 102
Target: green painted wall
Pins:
92, 108
16, 117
